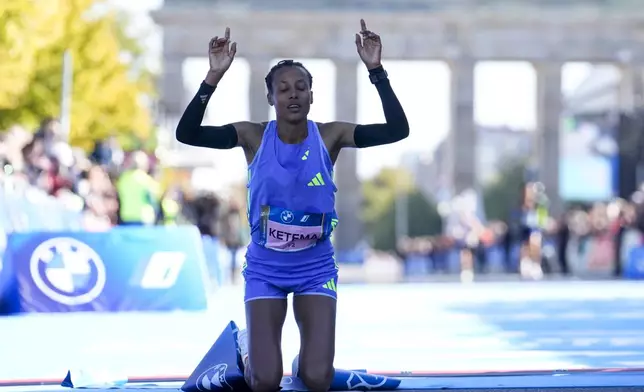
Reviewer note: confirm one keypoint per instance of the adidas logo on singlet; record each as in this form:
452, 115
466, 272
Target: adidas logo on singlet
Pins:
316, 181
305, 156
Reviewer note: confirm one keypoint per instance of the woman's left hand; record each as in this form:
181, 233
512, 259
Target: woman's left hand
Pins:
369, 46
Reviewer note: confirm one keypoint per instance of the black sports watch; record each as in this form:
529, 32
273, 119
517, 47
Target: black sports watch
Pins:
377, 74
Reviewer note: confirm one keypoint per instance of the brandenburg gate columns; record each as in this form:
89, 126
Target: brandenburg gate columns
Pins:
631, 88
257, 93
462, 139
549, 107
349, 197
171, 83
545, 34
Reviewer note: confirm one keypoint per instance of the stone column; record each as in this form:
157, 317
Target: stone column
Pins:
631, 101
174, 97
463, 136
349, 197
631, 88
549, 107
257, 89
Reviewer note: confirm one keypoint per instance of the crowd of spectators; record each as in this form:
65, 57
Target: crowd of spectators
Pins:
586, 239
94, 184
591, 236
82, 182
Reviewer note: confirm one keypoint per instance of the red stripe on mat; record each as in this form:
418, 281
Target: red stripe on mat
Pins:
181, 378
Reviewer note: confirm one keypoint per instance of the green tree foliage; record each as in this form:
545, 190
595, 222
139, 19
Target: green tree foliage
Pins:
106, 96
423, 220
379, 208
380, 192
504, 194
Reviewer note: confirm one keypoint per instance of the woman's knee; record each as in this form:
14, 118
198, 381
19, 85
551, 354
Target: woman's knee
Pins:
265, 319
265, 380
316, 377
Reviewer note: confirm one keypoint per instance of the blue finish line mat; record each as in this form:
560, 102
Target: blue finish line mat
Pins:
219, 371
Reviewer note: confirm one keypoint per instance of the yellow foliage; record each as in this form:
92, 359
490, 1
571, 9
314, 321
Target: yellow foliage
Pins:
105, 95
28, 26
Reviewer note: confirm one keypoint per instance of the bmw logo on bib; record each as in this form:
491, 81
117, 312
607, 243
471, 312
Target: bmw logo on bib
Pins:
287, 216
67, 271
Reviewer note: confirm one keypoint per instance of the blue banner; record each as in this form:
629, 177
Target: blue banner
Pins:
589, 160
634, 268
124, 269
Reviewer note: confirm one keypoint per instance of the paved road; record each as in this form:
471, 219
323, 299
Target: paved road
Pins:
422, 327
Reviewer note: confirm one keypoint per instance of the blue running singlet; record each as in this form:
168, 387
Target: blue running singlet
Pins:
291, 210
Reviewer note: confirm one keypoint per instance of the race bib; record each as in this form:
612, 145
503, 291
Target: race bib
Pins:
291, 231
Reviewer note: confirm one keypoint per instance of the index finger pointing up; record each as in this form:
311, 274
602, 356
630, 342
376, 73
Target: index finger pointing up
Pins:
363, 25
227, 34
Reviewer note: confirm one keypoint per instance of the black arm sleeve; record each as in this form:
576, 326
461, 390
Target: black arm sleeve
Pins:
396, 127
190, 131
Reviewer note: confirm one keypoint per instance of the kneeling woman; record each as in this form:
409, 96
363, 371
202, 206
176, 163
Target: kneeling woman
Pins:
291, 207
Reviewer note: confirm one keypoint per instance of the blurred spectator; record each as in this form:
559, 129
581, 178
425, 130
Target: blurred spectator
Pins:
465, 226
101, 208
50, 134
108, 153
138, 193
562, 244
203, 211
534, 216
35, 163
170, 211
232, 233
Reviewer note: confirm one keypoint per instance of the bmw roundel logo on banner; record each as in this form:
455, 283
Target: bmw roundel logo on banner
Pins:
67, 271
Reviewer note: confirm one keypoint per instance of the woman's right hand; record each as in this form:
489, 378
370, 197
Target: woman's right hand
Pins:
221, 53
